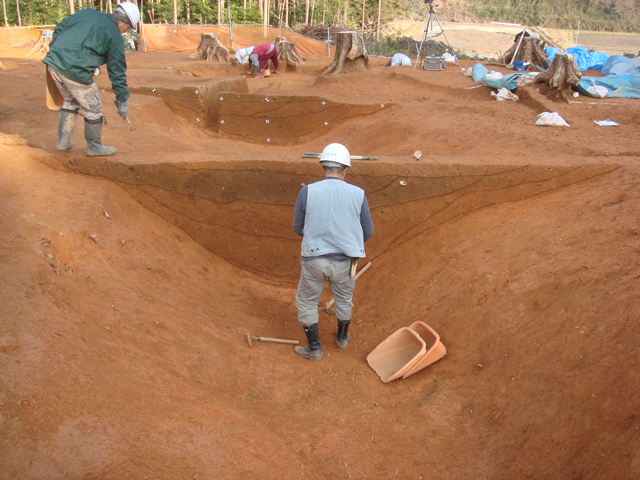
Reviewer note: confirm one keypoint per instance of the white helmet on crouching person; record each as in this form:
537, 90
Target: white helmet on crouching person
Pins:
335, 153
131, 11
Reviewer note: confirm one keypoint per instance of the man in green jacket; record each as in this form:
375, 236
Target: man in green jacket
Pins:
80, 44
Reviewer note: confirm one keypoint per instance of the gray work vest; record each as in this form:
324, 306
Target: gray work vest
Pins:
332, 219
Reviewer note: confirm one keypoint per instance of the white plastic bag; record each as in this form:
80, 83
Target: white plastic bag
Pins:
598, 91
526, 80
605, 123
493, 75
505, 94
551, 119
448, 57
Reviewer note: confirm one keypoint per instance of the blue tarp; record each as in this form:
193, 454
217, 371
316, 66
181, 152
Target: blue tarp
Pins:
626, 86
551, 53
585, 59
479, 72
621, 65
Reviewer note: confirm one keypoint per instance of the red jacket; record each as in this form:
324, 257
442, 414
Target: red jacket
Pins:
263, 57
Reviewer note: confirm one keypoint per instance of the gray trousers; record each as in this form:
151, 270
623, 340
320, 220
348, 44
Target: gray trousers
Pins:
312, 278
78, 95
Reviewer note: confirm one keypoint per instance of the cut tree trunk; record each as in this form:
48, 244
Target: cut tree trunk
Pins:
287, 53
529, 50
42, 45
351, 54
561, 76
210, 48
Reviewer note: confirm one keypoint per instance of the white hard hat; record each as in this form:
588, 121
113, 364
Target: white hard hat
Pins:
131, 11
406, 62
336, 153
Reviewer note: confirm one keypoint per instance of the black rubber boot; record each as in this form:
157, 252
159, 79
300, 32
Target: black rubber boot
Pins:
312, 351
93, 136
66, 126
342, 337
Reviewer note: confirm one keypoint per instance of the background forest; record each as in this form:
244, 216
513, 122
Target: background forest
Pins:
367, 16
595, 15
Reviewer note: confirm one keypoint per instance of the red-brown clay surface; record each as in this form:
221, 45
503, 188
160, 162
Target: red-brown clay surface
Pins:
125, 355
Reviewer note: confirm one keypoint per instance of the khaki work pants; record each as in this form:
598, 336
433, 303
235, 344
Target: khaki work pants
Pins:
77, 95
312, 277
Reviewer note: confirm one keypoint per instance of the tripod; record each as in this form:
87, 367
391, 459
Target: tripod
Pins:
429, 24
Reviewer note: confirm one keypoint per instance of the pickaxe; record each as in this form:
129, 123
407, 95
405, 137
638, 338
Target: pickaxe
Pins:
131, 127
267, 339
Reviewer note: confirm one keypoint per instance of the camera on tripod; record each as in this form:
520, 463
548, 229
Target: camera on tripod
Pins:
429, 26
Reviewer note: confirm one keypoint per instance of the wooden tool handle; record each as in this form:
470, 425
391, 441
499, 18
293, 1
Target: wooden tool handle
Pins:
276, 340
353, 157
329, 304
362, 271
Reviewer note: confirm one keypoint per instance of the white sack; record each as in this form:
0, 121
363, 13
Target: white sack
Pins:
551, 119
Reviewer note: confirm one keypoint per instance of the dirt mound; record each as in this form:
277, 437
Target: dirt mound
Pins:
130, 282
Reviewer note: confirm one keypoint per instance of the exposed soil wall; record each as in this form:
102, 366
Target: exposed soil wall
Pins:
242, 211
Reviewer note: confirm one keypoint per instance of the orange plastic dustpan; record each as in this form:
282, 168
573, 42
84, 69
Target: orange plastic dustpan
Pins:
435, 349
397, 354
54, 97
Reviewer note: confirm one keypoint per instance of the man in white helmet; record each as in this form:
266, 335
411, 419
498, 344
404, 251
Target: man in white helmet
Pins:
334, 221
81, 43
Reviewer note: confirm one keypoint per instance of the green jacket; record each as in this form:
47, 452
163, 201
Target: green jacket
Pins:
84, 41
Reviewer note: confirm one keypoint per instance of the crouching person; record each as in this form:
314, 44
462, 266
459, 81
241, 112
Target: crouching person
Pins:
81, 43
260, 57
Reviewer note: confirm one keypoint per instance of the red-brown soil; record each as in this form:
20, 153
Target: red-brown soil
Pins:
125, 355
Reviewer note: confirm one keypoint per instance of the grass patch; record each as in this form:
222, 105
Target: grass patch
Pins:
391, 45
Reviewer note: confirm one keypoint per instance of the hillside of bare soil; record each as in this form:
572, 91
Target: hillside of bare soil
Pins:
130, 282
491, 40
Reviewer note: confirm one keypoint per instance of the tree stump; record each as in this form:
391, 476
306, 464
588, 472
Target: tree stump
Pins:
561, 76
210, 48
42, 45
287, 53
530, 49
351, 54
